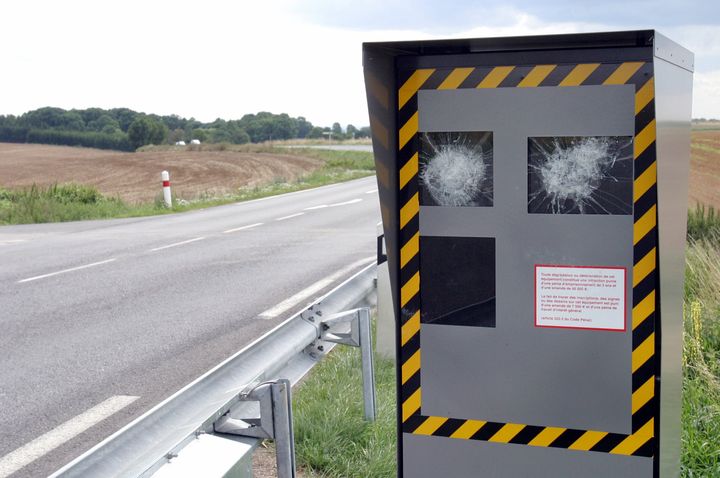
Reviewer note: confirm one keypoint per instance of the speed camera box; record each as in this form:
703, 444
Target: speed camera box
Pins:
534, 199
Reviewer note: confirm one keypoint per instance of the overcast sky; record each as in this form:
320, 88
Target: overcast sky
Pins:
302, 57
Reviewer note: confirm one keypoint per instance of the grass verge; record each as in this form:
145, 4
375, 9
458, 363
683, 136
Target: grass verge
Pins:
701, 360
703, 224
331, 437
333, 441
74, 202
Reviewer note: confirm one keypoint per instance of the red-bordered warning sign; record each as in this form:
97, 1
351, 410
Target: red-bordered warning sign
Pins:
581, 297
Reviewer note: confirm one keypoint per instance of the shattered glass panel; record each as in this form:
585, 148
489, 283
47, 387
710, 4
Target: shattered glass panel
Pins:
456, 169
580, 175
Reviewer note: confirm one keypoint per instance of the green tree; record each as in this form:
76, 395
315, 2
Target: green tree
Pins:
174, 122
235, 132
176, 135
283, 127
44, 118
337, 129
124, 116
351, 131
104, 123
91, 115
145, 130
315, 133
158, 132
9, 120
199, 134
303, 127
240, 136
191, 125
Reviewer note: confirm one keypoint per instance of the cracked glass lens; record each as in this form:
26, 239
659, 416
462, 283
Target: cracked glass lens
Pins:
580, 175
456, 169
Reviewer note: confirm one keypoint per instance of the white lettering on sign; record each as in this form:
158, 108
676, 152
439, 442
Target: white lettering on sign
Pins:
580, 297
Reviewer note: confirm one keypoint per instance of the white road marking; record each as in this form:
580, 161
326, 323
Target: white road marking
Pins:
66, 270
242, 228
12, 241
372, 191
321, 206
44, 444
290, 216
352, 201
304, 294
177, 244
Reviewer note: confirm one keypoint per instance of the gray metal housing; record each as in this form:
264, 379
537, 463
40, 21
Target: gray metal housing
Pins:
673, 66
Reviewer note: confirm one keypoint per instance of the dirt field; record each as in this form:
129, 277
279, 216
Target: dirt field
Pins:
705, 168
135, 177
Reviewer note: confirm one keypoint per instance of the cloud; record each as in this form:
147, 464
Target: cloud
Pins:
449, 17
225, 59
706, 95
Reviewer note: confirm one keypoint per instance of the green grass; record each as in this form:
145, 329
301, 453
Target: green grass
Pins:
352, 160
703, 224
67, 202
709, 148
331, 437
705, 126
701, 360
339, 166
73, 202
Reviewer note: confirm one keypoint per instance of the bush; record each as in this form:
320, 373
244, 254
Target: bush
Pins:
57, 203
117, 141
703, 223
13, 134
74, 193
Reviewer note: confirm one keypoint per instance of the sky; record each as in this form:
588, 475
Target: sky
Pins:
224, 59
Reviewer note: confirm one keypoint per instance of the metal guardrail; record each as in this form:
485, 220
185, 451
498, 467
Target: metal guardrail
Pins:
288, 351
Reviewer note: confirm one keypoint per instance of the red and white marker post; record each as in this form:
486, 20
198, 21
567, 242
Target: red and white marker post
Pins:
167, 196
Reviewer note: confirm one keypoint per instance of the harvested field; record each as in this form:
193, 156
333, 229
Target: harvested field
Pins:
705, 168
135, 177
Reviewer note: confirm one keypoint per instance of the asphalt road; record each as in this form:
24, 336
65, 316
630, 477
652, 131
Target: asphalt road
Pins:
101, 320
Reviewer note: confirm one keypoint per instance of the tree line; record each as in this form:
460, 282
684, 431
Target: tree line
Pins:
126, 130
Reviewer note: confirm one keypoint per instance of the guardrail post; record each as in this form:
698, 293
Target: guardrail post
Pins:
275, 422
283, 428
368, 366
334, 329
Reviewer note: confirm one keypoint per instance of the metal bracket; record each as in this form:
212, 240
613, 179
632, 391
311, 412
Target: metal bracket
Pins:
335, 329
312, 314
275, 422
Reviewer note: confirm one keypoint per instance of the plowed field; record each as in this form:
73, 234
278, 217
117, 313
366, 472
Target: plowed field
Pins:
705, 168
135, 177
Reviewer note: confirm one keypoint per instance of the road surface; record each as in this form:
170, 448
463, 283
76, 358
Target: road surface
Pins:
101, 320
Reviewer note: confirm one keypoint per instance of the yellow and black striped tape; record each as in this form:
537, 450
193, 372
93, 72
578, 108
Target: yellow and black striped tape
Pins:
641, 442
